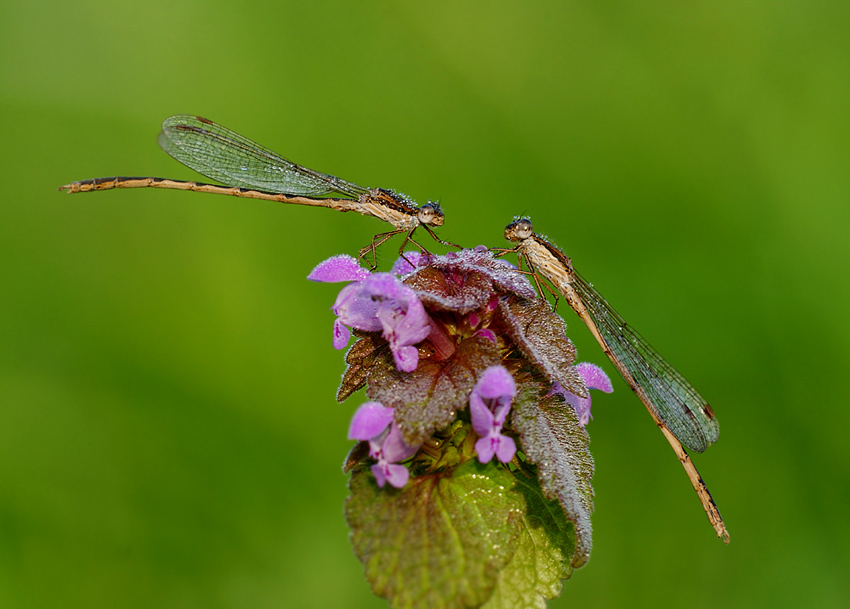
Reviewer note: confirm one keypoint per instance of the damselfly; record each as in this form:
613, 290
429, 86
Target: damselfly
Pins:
678, 409
252, 171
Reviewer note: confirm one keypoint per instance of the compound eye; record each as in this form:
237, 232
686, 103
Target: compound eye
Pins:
523, 229
426, 214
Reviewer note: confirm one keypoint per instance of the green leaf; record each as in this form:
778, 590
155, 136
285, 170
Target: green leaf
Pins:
442, 540
482, 535
543, 555
552, 438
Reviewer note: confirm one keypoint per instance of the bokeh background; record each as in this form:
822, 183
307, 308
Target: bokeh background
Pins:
168, 432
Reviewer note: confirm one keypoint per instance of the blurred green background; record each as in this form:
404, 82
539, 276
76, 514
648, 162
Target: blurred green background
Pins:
169, 435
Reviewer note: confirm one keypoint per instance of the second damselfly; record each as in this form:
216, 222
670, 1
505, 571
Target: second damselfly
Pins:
678, 409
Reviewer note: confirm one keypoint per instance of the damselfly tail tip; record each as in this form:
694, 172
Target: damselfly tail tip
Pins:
716, 519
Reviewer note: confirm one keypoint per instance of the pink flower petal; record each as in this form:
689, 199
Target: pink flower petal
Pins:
482, 417
338, 268
395, 449
397, 475
506, 449
594, 377
379, 470
406, 263
496, 382
406, 358
369, 421
341, 335
484, 448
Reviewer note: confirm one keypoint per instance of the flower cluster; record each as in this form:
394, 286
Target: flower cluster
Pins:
382, 302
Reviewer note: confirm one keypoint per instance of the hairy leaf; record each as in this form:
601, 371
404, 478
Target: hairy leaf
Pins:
543, 555
361, 357
439, 542
552, 438
357, 457
503, 276
457, 293
539, 333
428, 398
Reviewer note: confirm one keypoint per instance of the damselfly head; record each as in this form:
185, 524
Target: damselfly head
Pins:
519, 230
430, 214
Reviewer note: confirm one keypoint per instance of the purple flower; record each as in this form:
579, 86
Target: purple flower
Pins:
374, 422
338, 268
373, 302
489, 404
402, 317
407, 263
595, 378
488, 334
352, 308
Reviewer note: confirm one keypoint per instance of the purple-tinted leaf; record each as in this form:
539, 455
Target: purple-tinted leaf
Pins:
503, 276
361, 359
428, 398
552, 438
539, 333
458, 293
356, 457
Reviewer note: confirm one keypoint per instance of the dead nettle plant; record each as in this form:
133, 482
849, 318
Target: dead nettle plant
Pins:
470, 480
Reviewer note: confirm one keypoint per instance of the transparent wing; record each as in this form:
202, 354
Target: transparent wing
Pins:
672, 398
234, 160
